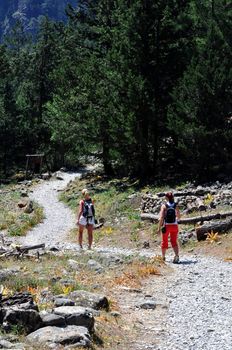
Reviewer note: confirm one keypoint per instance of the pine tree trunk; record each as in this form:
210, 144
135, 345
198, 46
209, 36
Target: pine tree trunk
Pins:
108, 169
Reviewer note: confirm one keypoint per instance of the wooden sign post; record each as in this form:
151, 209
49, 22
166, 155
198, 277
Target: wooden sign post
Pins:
34, 163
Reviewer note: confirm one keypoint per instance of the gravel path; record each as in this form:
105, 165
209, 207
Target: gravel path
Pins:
194, 303
200, 305
58, 218
193, 307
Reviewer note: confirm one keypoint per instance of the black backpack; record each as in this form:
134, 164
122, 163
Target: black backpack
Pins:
170, 217
88, 208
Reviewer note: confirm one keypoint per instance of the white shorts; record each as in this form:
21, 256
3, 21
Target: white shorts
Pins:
83, 221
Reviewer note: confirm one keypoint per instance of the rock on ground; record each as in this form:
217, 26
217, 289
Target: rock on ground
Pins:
76, 315
56, 335
93, 300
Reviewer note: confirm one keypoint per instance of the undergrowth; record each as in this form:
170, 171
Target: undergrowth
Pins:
13, 220
118, 201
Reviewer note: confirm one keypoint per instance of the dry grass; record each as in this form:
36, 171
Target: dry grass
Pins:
13, 219
134, 274
228, 259
42, 279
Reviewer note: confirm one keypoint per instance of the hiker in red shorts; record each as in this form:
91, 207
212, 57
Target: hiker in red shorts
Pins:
168, 225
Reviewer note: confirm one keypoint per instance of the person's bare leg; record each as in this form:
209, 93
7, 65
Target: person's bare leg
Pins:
176, 257
176, 250
163, 253
80, 237
90, 235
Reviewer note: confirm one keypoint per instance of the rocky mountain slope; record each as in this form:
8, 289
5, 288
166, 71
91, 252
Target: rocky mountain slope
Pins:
30, 12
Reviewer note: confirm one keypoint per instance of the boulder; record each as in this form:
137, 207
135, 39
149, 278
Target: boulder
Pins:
63, 302
64, 336
29, 320
50, 319
29, 305
76, 315
88, 299
22, 300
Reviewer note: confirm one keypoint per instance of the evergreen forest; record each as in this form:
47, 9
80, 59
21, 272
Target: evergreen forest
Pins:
144, 86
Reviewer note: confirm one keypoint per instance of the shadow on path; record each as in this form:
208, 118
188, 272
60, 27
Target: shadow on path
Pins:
188, 262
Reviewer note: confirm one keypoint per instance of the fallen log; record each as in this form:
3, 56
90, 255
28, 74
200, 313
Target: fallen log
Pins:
19, 251
192, 220
25, 249
201, 218
148, 216
220, 227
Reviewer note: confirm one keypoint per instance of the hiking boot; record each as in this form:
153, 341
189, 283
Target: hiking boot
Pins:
163, 258
80, 247
176, 259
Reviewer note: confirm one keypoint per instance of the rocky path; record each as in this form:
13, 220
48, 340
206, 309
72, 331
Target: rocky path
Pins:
187, 309
144, 311
200, 305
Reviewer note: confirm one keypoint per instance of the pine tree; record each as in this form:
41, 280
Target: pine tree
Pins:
200, 115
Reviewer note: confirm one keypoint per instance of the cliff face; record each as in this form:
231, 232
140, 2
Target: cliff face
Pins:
30, 11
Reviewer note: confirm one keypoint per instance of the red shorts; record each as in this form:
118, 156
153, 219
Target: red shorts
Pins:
171, 230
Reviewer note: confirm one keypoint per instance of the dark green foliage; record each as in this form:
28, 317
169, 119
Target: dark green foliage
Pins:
200, 115
144, 85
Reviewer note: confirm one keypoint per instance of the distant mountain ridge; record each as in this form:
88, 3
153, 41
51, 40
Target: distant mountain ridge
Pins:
30, 12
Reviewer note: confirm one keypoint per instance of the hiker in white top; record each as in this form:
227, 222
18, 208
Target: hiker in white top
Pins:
86, 218
168, 225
